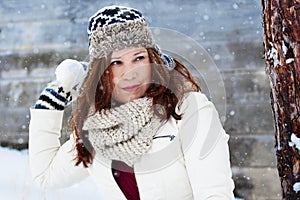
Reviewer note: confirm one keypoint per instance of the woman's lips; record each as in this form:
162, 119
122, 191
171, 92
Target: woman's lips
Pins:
131, 88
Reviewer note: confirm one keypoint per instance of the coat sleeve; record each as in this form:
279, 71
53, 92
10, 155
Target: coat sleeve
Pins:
52, 165
205, 148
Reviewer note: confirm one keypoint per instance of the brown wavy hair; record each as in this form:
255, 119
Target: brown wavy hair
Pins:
167, 89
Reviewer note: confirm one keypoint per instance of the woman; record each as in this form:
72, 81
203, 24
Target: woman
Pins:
141, 127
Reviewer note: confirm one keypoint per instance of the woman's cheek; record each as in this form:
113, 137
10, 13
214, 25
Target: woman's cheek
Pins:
115, 81
146, 73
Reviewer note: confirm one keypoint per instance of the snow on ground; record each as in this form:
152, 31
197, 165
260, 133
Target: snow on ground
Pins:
16, 182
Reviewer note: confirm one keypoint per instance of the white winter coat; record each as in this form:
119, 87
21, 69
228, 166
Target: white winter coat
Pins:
194, 165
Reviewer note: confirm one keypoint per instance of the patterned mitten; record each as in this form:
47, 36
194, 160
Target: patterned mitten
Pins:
58, 94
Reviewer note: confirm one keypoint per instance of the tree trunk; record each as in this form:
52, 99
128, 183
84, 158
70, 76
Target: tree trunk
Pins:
281, 24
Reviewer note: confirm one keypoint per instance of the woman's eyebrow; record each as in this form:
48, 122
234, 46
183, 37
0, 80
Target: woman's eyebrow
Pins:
115, 58
137, 53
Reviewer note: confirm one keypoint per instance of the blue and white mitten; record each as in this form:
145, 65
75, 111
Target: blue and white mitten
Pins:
58, 94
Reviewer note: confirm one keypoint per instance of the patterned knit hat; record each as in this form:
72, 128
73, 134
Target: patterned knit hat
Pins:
117, 27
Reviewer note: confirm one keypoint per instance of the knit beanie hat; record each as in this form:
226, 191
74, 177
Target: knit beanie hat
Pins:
117, 27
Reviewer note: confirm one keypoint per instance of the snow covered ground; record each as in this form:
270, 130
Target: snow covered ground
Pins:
16, 182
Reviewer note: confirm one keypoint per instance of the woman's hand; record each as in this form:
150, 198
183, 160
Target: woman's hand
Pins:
58, 94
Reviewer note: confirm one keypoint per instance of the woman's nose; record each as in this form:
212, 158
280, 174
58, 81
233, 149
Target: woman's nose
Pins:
130, 72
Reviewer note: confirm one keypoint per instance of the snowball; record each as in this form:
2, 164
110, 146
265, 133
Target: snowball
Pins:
70, 73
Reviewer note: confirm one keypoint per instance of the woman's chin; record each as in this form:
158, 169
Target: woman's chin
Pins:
126, 98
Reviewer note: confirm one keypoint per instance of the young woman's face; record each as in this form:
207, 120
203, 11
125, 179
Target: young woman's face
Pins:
131, 73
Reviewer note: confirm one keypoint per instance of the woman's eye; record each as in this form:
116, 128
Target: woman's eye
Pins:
140, 58
115, 63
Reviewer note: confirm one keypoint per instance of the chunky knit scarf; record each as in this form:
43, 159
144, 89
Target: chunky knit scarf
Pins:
124, 133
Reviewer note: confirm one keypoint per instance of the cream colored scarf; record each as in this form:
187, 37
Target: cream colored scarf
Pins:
124, 133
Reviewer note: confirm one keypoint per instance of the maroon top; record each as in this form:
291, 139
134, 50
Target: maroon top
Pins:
125, 178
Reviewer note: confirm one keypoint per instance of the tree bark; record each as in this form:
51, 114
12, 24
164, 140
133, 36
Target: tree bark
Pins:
281, 24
